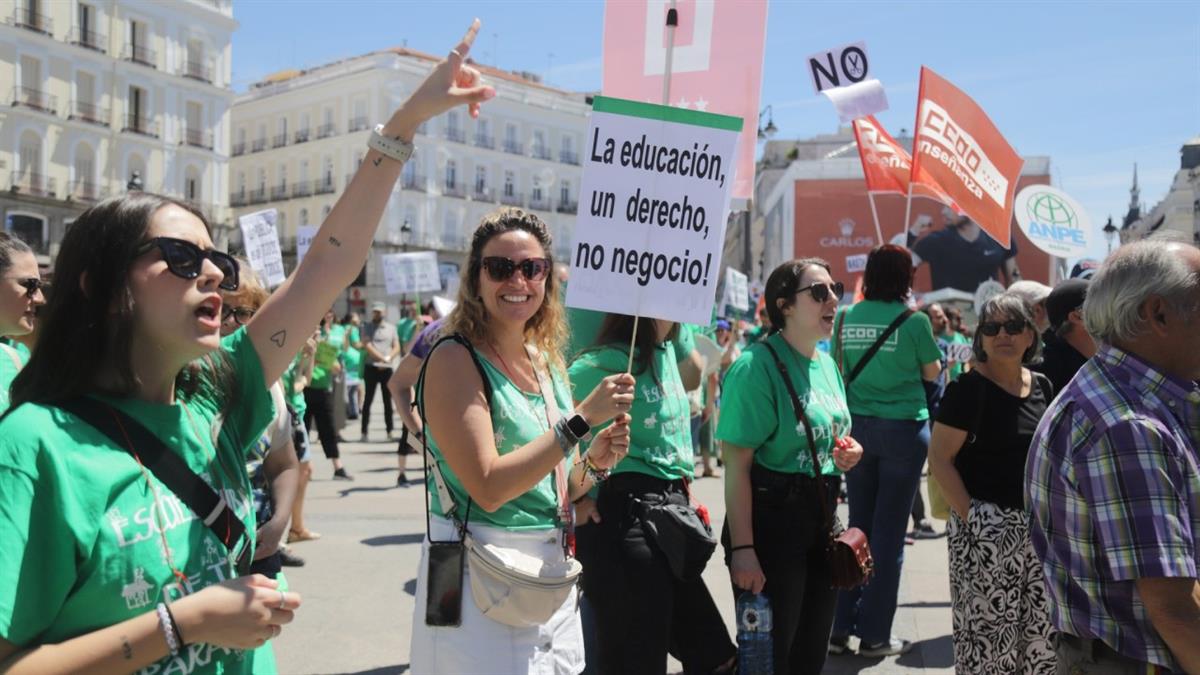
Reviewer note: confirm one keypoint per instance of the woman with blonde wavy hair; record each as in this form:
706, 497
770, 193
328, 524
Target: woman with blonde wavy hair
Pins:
502, 433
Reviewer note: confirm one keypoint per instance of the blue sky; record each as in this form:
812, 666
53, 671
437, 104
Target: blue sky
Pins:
1095, 85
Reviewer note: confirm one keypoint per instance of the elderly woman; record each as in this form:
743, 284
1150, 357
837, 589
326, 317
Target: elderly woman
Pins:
977, 453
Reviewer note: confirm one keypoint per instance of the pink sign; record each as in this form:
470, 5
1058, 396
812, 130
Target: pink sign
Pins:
716, 62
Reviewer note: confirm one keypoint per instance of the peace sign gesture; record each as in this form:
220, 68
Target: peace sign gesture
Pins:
453, 82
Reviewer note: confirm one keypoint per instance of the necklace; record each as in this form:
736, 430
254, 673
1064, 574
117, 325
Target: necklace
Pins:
522, 394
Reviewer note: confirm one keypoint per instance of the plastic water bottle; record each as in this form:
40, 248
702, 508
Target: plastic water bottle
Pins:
755, 647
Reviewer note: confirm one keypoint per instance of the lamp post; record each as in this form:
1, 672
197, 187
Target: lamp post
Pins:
1110, 233
135, 182
766, 133
405, 230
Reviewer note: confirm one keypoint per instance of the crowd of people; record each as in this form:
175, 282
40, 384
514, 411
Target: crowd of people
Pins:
155, 450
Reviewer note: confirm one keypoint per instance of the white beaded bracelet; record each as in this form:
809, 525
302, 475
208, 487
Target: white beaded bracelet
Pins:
392, 148
168, 630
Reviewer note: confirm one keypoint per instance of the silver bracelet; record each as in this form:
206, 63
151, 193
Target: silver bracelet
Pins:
168, 631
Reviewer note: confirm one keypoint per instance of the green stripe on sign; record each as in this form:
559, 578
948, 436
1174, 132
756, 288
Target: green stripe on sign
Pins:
666, 113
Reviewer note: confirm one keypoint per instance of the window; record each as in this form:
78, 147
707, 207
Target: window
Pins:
281, 222
535, 193
568, 145
451, 174
327, 116
305, 121
325, 212
282, 126
509, 184
482, 128
137, 35
85, 92
262, 132
29, 228
303, 217
86, 25
564, 193
452, 120
282, 174
137, 106
84, 170
241, 182
241, 136
303, 171
480, 179
327, 170
193, 115
262, 179
191, 184
539, 141
510, 133
30, 155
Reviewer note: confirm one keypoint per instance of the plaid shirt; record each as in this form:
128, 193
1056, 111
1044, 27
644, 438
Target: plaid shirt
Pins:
1113, 488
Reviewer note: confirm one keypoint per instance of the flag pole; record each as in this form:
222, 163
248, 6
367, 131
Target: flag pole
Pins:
907, 208
875, 215
672, 23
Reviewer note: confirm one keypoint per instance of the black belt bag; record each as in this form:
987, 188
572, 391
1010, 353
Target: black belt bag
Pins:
677, 530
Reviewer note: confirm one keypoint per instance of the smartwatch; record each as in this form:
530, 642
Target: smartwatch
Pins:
579, 427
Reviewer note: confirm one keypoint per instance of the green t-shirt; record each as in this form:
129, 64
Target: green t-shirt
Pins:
80, 525
329, 351
9, 369
518, 417
406, 328
585, 325
889, 386
660, 433
756, 334
756, 409
353, 358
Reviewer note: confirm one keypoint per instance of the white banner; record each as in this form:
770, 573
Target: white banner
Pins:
737, 290
304, 238
653, 204
261, 241
1053, 221
410, 272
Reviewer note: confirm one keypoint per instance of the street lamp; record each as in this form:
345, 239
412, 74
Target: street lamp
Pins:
1110, 232
135, 182
766, 132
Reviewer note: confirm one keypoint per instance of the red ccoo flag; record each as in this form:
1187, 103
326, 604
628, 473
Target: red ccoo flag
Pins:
887, 165
959, 151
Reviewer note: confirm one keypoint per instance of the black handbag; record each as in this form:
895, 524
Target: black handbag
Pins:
677, 529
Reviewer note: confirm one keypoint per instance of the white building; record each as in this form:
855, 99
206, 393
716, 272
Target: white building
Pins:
1179, 210
99, 90
299, 136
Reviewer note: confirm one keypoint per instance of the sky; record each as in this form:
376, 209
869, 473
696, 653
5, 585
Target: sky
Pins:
1095, 85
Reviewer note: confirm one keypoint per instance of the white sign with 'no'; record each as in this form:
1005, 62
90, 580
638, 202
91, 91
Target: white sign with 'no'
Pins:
840, 67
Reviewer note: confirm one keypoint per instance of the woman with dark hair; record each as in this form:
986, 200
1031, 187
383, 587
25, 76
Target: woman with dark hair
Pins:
133, 414
884, 350
502, 433
775, 531
642, 609
977, 453
20, 296
320, 406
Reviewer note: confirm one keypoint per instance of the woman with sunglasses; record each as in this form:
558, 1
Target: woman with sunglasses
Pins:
642, 610
20, 296
980, 442
105, 569
890, 412
775, 528
500, 457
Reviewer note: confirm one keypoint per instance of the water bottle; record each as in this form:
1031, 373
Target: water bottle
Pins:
755, 648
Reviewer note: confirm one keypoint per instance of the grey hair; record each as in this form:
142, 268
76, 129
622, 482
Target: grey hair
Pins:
1112, 309
1013, 306
1031, 291
10, 245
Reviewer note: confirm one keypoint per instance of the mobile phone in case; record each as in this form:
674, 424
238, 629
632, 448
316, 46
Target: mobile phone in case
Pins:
444, 590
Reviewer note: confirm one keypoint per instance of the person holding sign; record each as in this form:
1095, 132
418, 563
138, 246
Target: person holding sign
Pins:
774, 533
642, 608
500, 433
131, 366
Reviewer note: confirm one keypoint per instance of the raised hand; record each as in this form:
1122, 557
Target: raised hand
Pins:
451, 83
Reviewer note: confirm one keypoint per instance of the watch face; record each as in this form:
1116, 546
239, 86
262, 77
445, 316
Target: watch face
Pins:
578, 426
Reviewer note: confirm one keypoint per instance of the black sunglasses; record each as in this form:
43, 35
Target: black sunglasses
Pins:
31, 285
1012, 327
184, 259
241, 315
500, 268
820, 292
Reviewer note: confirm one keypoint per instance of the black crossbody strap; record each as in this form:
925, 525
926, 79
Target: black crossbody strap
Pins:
802, 418
862, 363
167, 466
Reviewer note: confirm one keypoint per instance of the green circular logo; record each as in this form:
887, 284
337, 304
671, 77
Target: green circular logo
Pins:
1050, 209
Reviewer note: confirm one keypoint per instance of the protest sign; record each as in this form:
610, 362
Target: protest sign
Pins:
856, 264
261, 241
737, 290
304, 238
963, 153
857, 100
653, 203
410, 272
1053, 221
960, 353
840, 67
716, 62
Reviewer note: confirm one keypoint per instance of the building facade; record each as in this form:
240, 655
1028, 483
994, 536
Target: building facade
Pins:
1179, 210
99, 91
298, 138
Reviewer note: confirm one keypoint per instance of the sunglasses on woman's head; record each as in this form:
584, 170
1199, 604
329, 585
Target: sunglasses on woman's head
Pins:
1012, 327
820, 292
31, 285
241, 315
184, 259
500, 268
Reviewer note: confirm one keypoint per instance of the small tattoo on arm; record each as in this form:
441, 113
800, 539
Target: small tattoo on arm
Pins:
335, 241
279, 338
126, 649
378, 161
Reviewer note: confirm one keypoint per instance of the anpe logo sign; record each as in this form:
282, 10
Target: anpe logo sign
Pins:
1053, 221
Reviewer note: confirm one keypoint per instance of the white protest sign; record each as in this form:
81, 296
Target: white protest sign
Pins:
839, 67
737, 290
960, 353
1053, 221
410, 272
856, 263
304, 238
858, 100
261, 241
653, 203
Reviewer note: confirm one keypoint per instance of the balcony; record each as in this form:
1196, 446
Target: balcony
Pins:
358, 124
238, 149
512, 199
540, 152
33, 184
279, 192
514, 148
88, 39
87, 191
482, 194
540, 204
301, 189
413, 181
323, 186
326, 130
258, 145
483, 141
197, 138
458, 191
38, 23
35, 99
568, 157
88, 112
301, 136
139, 54
197, 70
238, 198
142, 126
456, 135
257, 196
279, 140
567, 207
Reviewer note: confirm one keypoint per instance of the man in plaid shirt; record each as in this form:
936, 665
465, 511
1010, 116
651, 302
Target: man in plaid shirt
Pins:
1112, 481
